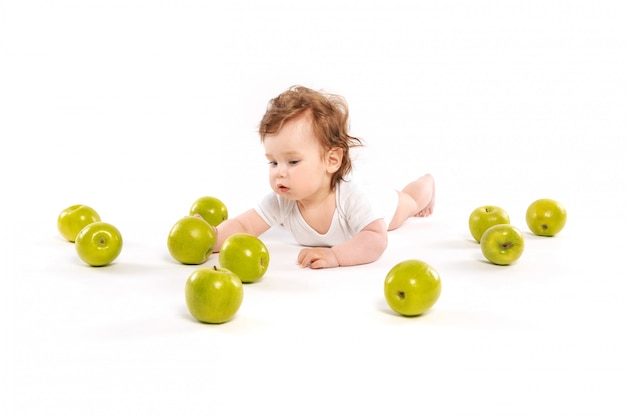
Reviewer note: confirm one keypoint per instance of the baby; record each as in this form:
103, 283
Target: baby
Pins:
307, 144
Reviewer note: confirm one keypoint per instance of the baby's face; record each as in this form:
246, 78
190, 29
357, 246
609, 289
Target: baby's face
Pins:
297, 164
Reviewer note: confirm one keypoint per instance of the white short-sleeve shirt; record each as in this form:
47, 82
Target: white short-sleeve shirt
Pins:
354, 210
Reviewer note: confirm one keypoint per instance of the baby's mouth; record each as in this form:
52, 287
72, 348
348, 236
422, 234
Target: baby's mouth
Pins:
282, 188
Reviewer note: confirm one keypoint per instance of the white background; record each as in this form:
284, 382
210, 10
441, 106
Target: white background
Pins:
137, 108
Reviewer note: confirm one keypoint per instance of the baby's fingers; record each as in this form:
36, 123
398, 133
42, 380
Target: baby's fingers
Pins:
303, 260
316, 258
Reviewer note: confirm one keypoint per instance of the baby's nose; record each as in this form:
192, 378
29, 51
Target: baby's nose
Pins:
282, 170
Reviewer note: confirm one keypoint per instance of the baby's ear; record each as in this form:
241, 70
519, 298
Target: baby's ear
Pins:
334, 158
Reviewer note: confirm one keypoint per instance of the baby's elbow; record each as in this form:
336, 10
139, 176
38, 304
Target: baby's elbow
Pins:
384, 241
381, 246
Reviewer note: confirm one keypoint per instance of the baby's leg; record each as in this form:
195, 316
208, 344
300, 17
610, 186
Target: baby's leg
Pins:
416, 199
422, 191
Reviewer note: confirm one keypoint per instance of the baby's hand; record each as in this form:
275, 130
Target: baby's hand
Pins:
316, 258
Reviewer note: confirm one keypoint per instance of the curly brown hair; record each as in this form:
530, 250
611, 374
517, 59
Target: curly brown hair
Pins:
330, 119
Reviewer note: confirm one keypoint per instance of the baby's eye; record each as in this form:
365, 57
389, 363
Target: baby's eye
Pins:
294, 162
272, 163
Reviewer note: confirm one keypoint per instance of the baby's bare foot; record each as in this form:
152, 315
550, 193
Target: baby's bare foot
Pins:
430, 207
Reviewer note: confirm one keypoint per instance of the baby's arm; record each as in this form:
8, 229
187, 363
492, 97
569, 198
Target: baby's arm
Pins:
248, 222
365, 247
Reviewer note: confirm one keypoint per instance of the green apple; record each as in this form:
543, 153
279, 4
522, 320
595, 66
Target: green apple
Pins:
98, 243
502, 244
246, 255
412, 287
211, 209
546, 217
482, 218
191, 240
72, 220
213, 295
